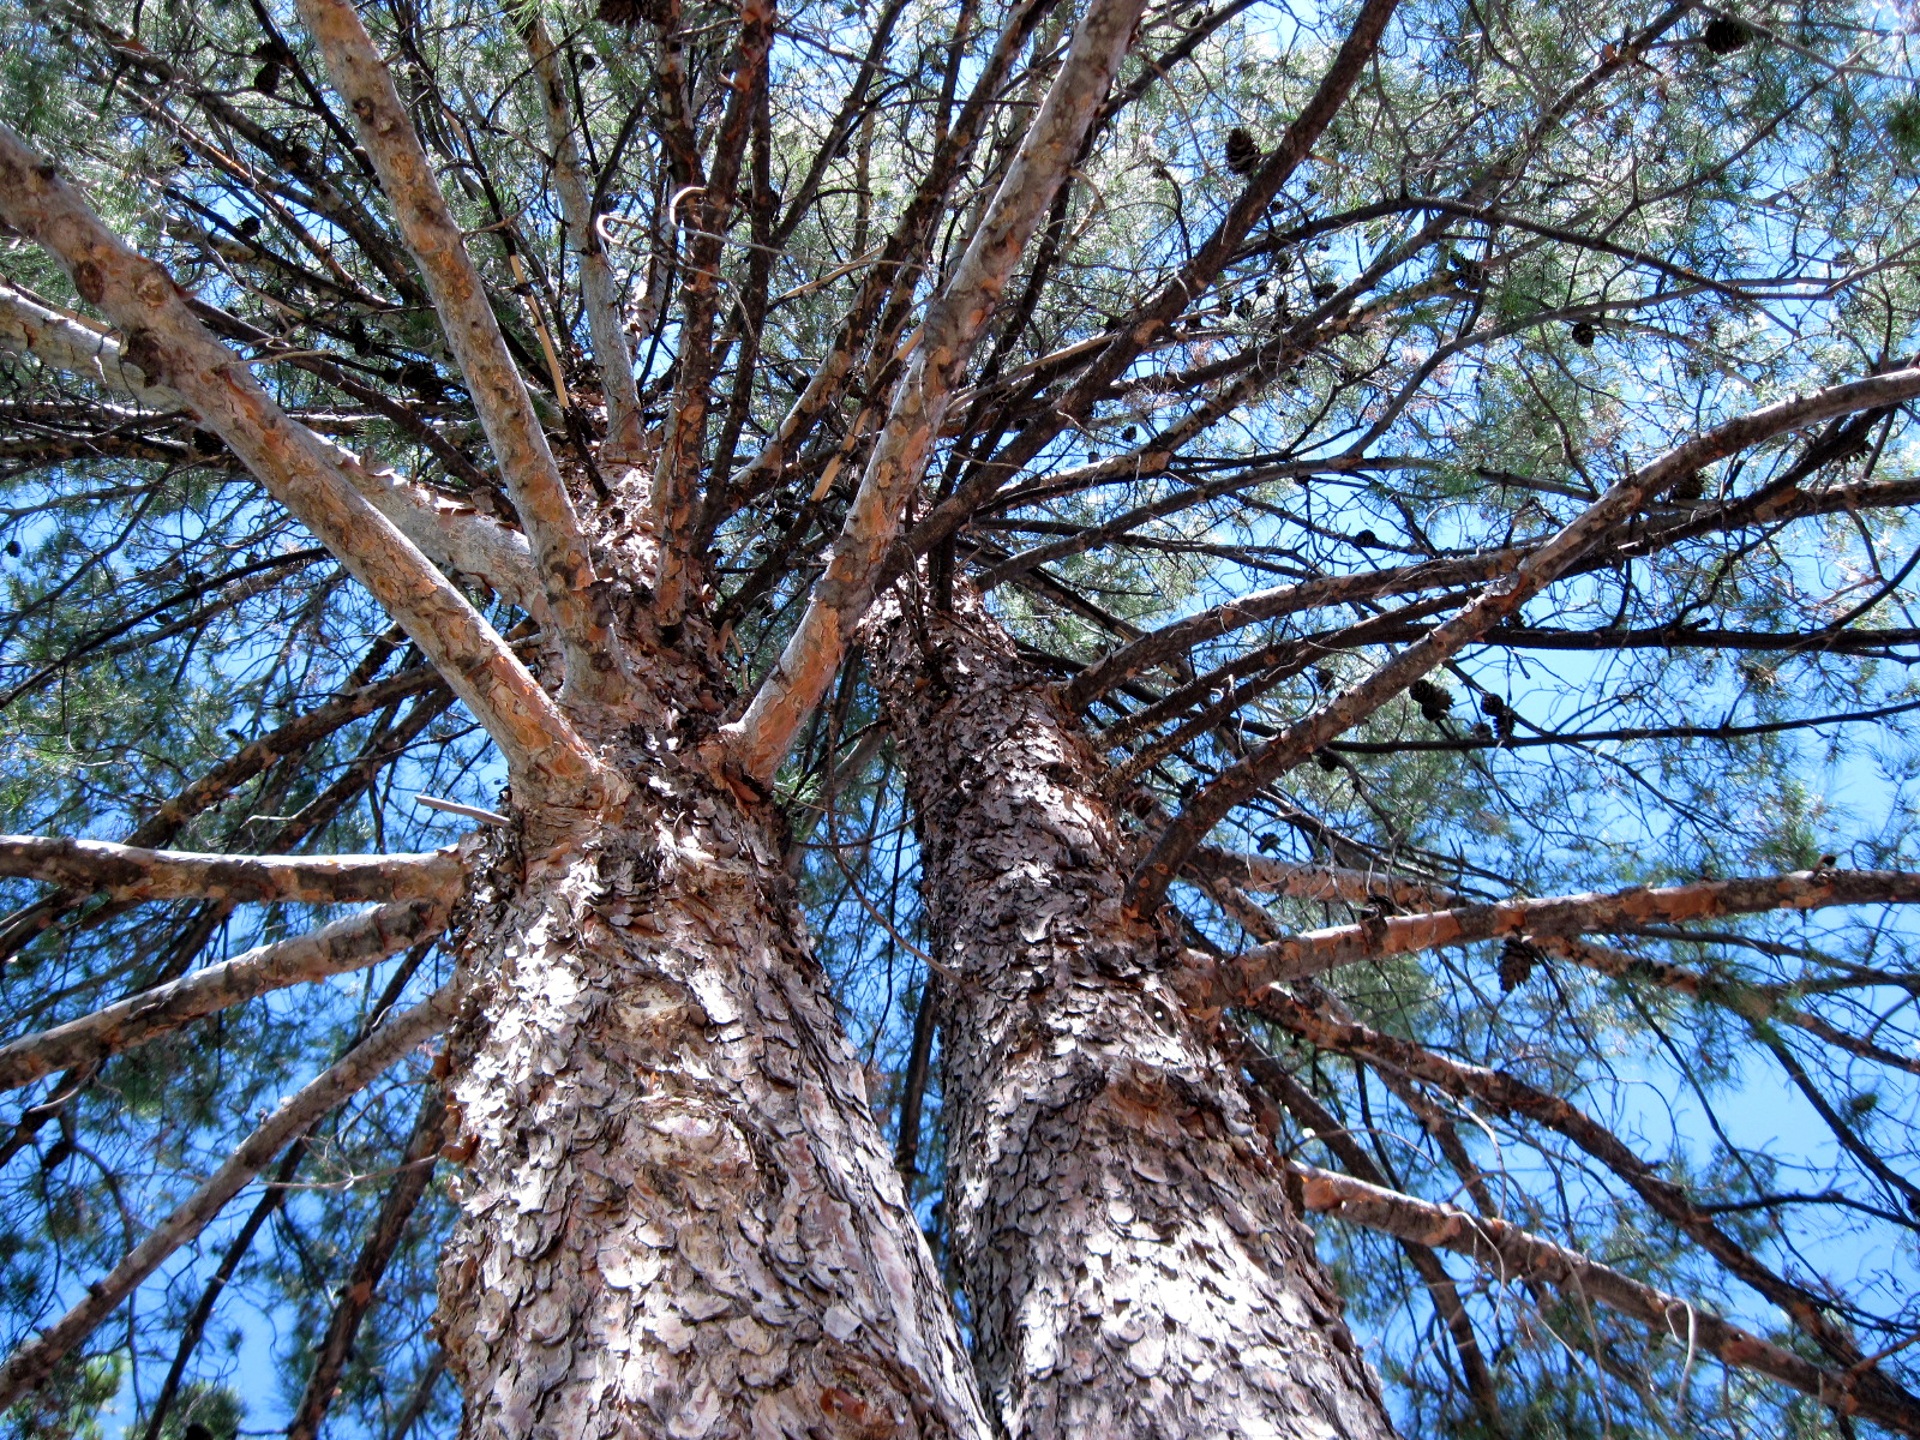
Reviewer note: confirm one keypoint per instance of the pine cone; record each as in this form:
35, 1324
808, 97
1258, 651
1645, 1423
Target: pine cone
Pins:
1724, 35
624, 13
1517, 962
1243, 151
1583, 334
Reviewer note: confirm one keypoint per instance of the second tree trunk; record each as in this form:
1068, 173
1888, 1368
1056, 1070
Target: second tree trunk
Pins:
1130, 1259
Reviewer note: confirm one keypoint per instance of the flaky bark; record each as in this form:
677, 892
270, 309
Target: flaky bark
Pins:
679, 1218
1122, 1229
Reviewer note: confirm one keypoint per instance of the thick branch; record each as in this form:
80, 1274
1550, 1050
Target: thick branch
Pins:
1512, 1253
1506, 1093
454, 536
599, 290
473, 336
946, 340
1314, 952
1148, 322
1499, 601
169, 344
31, 1364
350, 944
127, 872
1270, 1076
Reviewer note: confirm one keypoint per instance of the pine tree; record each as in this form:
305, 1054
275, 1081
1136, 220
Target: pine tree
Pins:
850, 523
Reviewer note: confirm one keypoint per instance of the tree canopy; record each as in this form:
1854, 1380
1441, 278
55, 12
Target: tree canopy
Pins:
1451, 457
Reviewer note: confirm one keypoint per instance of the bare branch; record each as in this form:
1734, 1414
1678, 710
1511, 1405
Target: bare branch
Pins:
944, 343
31, 1364
130, 873
473, 335
350, 944
167, 343
1511, 1253
1314, 952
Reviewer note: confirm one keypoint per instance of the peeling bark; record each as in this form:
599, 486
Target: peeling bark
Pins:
1122, 1228
679, 1217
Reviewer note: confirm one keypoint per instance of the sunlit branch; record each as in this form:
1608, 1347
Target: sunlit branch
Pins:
168, 343
599, 290
31, 1364
706, 211
131, 873
346, 945
1509, 1253
1152, 316
453, 535
1314, 952
945, 341
1272, 1077
896, 269
466, 316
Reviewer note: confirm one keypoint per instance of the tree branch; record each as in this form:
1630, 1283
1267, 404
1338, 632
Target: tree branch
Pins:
31, 1364
127, 872
168, 344
1502, 599
1506, 1093
945, 341
350, 944
1510, 1253
357, 1295
460, 299
599, 291
1314, 952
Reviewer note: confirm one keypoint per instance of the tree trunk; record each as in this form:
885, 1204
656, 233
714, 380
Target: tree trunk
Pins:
1124, 1237
678, 1216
